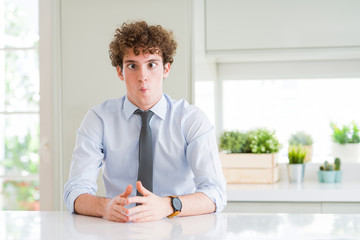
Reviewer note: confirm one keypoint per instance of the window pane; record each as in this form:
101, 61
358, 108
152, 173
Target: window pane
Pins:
19, 145
21, 23
19, 92
2, 80
288, 106
21, 81
20, 195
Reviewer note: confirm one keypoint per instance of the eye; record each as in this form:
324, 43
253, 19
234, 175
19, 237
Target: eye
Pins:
152, 65
131, 66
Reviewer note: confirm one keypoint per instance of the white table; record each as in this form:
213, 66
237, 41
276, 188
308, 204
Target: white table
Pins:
63, 225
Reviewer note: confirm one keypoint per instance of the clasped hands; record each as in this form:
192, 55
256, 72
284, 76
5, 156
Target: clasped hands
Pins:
152, 207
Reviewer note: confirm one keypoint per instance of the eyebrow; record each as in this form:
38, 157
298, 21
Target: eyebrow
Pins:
150, 60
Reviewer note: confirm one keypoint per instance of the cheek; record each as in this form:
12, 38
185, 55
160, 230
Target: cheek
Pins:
129, 84
158, 75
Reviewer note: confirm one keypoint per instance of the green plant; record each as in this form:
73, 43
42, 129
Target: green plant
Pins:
21, 157
337, 164
21, 154
346, 133
260, 140
297, 154
300, 138
21, 195
235, 142
264, 141
331, 167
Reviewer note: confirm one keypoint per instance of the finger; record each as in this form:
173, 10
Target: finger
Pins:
141, 217
136, 199
121, 209
121, 200
127, 191
119, 217
137, 209
142, 189
117, 213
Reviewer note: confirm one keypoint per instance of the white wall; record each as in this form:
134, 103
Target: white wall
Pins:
281, 24
87, 77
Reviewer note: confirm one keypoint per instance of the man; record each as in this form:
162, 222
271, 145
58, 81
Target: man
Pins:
185, 171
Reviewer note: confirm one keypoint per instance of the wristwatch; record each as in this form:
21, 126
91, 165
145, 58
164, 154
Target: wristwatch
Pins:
176, 205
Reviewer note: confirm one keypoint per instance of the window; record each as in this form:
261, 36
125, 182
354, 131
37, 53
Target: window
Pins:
292, 105
19, 105
285, 97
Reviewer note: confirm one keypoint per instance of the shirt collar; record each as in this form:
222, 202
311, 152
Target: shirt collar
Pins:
159, 108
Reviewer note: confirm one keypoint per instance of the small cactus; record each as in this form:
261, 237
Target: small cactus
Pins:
326, 165
331, 167
337, 164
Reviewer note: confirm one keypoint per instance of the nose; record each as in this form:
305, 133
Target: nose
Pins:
143, 74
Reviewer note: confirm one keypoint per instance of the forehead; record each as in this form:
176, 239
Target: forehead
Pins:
130, 55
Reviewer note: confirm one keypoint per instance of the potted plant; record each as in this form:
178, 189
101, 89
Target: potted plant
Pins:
260, 140
296, 166
304, 139
235, 142
330, 173
250, 156
346, 142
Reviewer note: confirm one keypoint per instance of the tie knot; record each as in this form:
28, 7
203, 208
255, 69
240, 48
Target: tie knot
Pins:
145, 116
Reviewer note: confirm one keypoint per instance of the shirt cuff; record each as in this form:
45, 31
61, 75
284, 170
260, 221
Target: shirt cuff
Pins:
73, 195
220, 200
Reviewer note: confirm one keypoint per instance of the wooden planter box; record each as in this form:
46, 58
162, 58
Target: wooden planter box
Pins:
250, 167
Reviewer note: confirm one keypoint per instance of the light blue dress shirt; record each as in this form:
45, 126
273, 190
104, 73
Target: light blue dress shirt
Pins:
186, 158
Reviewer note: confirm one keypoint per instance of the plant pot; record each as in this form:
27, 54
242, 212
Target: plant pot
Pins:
349, 152
296, 173
249, 160
338, 176
250, 167
329, 176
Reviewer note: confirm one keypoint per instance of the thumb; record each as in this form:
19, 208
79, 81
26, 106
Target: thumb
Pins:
142, 189
127, 191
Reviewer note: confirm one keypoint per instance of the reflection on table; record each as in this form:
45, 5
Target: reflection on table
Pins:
63, 225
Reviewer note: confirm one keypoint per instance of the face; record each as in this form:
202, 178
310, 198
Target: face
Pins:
143, 76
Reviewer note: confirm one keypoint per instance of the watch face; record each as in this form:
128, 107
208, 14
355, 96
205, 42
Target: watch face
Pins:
177, 204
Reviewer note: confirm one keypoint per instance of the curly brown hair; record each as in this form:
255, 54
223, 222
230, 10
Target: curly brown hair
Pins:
143, 38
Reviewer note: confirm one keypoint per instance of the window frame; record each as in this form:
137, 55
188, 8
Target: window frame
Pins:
50, 150
272, 70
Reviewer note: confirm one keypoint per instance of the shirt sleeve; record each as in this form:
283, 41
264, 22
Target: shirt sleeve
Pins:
203, 156
86, 160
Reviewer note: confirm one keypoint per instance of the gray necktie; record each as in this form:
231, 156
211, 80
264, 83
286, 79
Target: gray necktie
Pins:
145, 173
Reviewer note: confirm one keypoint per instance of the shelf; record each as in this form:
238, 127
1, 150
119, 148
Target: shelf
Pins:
310, 191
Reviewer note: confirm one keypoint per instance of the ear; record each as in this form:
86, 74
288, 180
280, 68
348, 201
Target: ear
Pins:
119, 73
166, 70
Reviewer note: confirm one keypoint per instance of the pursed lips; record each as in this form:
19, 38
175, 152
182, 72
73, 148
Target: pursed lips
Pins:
143, 89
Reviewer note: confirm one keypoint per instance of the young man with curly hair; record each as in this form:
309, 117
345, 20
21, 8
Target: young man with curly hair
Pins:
186, 173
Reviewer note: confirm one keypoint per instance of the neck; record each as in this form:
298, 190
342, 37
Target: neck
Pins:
145, 107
